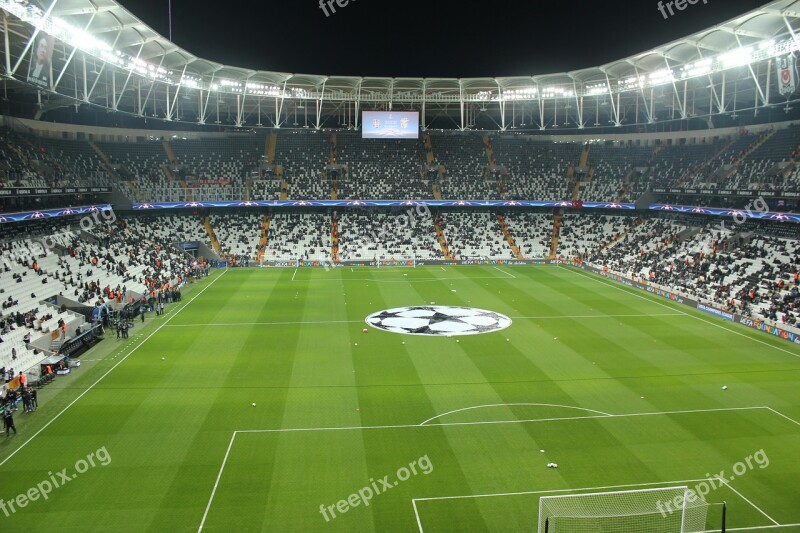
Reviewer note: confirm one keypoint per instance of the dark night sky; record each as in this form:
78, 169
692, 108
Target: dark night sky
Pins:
433, 38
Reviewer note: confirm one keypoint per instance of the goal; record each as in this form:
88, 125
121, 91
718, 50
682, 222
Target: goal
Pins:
661, 510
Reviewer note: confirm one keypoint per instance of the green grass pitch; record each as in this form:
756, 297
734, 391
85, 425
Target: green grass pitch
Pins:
621, 388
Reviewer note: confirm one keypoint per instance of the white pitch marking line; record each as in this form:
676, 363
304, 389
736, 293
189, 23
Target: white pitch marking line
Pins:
784, 416
443, 269
415, 280
512, 405
81, 395
555, 491
419, 522
230, 444
229, 324
779, 526
295, 273
508, 274
687, 314
742, 496
216, 483
316, 322
493, 422
599, 316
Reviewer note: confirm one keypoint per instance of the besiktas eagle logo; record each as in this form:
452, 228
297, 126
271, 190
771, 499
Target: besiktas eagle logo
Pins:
438, 320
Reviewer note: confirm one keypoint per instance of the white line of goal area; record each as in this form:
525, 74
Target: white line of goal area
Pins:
424, 424
688, 482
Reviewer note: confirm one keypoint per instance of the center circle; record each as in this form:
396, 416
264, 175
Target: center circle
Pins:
438, 320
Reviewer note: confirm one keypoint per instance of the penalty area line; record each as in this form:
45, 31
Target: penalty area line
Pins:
216, 483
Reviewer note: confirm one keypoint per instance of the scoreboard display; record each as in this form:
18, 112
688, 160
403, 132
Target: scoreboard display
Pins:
390, 125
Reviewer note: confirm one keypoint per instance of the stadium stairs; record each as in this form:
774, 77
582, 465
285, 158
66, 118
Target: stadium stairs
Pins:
211, 235
687, 178
115, 176
333, 159
626, 185
270, 147
430, 159
45, 164
509, 237
442, 240
428, 149
557, 220
334, 239
262, 243
583, 165
170, 152
174, 161
168, 173
489, 151
756, 146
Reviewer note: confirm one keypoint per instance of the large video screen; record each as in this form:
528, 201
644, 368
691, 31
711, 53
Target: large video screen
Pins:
390, 125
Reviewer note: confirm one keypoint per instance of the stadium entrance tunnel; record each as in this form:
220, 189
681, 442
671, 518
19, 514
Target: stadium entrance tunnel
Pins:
438, 320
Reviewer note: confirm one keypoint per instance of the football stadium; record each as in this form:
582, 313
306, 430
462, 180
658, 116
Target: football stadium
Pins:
250, 300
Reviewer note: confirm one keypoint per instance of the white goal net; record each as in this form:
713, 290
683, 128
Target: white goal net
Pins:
662, 510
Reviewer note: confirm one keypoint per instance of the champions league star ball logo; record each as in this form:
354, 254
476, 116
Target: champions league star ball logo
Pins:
438, 320
404, 123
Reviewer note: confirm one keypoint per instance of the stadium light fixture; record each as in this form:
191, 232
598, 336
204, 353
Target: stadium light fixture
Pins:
30, 13
698, 68
736, 58
766, 45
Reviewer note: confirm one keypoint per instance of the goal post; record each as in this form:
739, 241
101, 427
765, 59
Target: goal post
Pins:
660, 510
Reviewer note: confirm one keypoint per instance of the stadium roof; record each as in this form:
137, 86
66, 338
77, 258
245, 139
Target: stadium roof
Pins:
106, 56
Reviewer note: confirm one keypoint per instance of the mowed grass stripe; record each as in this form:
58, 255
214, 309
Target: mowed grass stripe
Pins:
80, 431
262, 375
565, 349
731, 330
168, 423
496, 364
229, 393
301, 375
447, 360
387, 355
321, 358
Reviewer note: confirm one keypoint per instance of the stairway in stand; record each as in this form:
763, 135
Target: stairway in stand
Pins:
509, 237
334, 239
442, 240
557, 220
262, 243
211, 235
